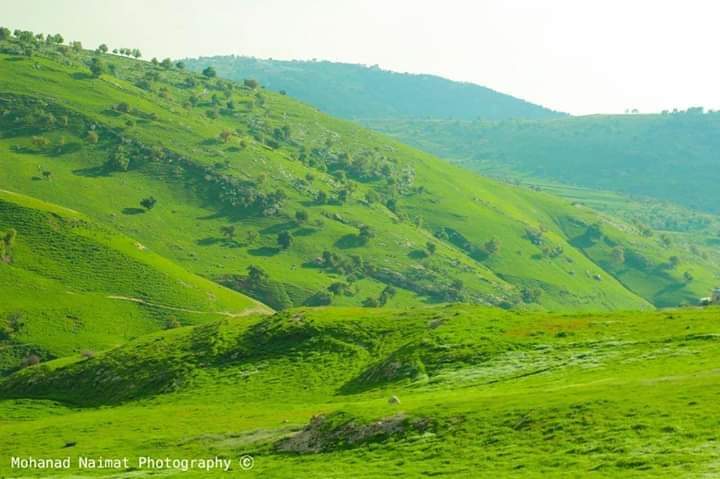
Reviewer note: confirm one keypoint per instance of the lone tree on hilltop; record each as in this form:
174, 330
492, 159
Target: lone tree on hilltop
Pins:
148, 203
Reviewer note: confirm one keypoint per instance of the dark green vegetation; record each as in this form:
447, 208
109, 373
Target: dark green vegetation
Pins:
377, 393
227, 179
671, 156
356, 91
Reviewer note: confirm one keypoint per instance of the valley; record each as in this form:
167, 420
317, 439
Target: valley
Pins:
202, 276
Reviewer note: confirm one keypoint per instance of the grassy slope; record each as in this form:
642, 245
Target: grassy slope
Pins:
512, 395
184, 226
69, 278
357, 91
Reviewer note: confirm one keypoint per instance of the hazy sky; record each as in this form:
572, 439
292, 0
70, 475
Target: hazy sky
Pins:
580, 56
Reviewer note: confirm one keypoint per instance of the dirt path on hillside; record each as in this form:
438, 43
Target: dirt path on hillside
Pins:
258, 309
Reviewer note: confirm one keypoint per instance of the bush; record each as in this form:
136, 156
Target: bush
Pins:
30, 360
92, 137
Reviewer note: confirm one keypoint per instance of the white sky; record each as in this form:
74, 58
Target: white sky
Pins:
579, 56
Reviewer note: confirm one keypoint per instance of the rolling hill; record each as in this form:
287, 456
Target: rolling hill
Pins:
143, 205
671, 157
327, 392
267, 195
70, 285
357, 91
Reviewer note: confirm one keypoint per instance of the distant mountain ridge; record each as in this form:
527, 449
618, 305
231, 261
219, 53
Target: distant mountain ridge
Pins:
357, 91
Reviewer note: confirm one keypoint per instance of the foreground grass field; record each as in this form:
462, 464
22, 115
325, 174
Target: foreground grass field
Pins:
480, 393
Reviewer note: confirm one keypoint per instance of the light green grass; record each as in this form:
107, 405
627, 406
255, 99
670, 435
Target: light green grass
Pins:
512, 395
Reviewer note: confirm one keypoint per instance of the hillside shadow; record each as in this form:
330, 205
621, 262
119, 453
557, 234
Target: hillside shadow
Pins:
278, 228
583, 241
65, 149
305, 231
110, 112
92, 172
133, 211
417, 254
348, 241
209, 241
264, 251
81, 76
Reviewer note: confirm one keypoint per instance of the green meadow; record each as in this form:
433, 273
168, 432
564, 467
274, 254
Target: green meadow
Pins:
196, 268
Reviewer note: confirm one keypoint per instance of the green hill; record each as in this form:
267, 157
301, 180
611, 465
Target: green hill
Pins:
324, 211
671, 157
329, 392
69, 285
357, 91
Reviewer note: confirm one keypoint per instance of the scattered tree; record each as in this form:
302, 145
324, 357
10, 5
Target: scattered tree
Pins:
618, 254
366, 234
492, 247
209, 72
97, 67
88, 354
8, 242
92, 137
257, 276
102, 48
148, 203
431, 247
252, 236
301, 216
172, 323
285, 239
30, 360
225, 135
228, 231
387, 293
